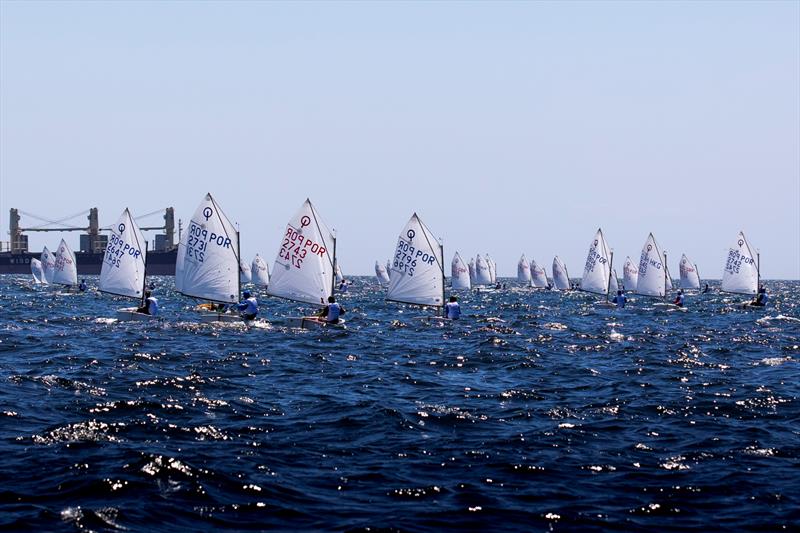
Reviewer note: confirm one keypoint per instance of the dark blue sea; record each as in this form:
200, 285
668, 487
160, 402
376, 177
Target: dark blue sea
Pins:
537, 411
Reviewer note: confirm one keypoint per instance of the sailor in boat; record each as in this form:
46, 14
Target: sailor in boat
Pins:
706, 289
150, 306
761, 298
678, 298
82, 287
343, 286
452, 309
248, 307
498, 286
620, 299
331, 312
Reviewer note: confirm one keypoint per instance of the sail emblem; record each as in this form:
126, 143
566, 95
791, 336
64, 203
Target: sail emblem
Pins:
741, 242
305, 221
649, 247
410, 234
121, 227
207, 212
595, 242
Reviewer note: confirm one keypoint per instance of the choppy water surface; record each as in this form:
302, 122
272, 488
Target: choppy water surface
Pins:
538, 410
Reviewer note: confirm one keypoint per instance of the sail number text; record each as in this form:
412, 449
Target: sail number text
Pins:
296, 246
406, 258
199, 240
117, 249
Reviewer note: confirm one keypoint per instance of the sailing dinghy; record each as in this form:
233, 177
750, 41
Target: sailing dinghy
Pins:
524, 271
560, 275
597, 270
48, 264
207, 266
742, 274
65, 269
690, 277
459, 272
418, 267
630, 275
381, 274
652, 279
471, 267
246, 273
124, 262
483, 274
538, 275
305, 268
259, 271
37, 272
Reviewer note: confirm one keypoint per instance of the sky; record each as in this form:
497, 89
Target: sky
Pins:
510, 128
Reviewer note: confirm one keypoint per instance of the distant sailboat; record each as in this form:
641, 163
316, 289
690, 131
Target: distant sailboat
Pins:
630, 275
459, 271
305, 267
48, 264
690, 277
742, 268
65, 269
259, 271
471, 267
37, 272
613, 285
418, 267
483, 275
339, 275
538, 275
381, 274
560, 275
524, 271
597, 270
652, 279
124, 262
207, 266
492, 269
245, 272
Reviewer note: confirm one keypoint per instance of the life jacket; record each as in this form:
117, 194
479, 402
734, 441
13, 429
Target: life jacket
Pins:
152, 306
453, 310
334, 310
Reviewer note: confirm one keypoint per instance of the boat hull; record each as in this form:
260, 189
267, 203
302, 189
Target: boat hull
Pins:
310, 322
129, 314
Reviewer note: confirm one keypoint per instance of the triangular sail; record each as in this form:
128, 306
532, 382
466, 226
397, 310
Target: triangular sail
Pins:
560, 275
596, 272
48, 260
37, 271
339, 275
668, 282
259, 271
471, 267
208, 256
523, 270
124, 259
741, 274
306, 262
652, 275
417, 270
460, 274
630, 274
492, 269
381, 274
690, 279
538, 275
65, 269
483, 275
245, 272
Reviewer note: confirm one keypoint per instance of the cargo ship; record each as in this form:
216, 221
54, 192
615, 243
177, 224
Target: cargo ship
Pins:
15, 258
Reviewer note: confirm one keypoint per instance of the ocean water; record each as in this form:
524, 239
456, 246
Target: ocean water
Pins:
537, 411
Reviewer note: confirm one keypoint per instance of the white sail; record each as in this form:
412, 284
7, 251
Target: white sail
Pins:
65, 269
124, 259
492, 269
538, 275
630, 274
652, 278
597, 270
483, 276
418, 268
460, 274
37, 271
741, 273
381, 273
305, 267
245, 272
259, 271
389, 269
613, 284
48, 260
668, 281
208, 256
690, 279
560, 274
523, 270
471, 267
339, 275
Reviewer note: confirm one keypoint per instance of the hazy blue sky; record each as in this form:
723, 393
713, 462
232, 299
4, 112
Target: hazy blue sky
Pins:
509, 127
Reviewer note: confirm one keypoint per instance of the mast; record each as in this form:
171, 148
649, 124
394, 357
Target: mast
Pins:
239, 269
444, 305
610, 272
144, 277
333, 274
758, 271
665, 275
